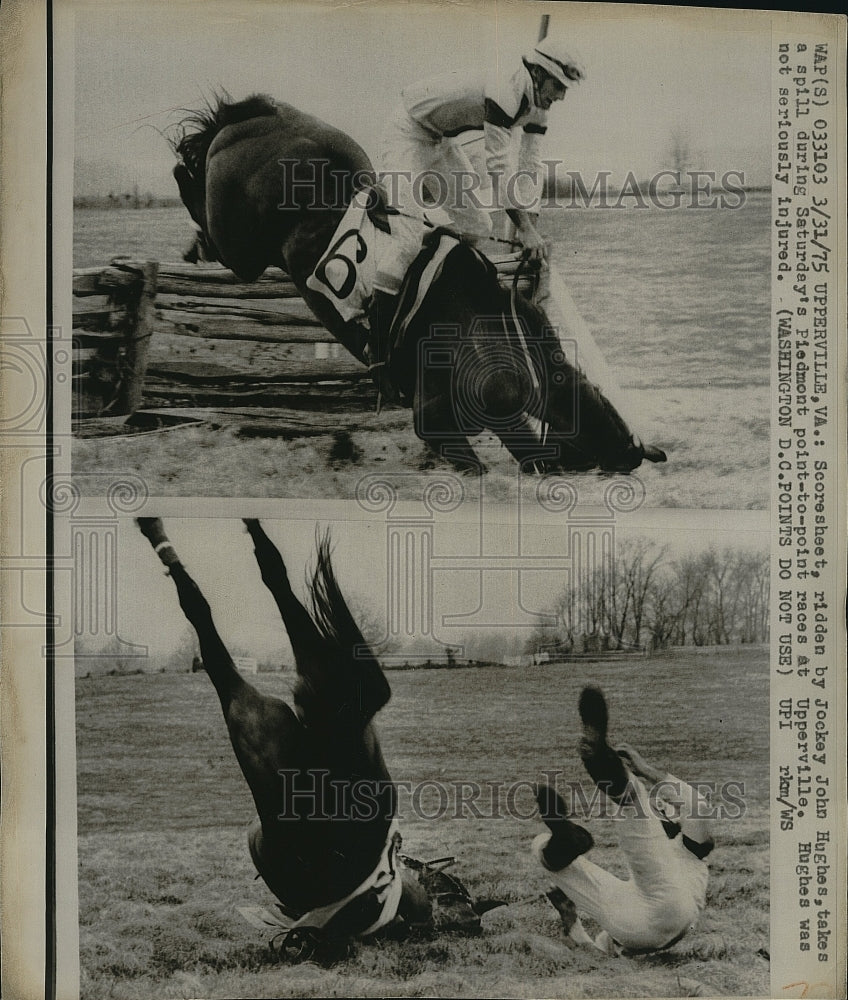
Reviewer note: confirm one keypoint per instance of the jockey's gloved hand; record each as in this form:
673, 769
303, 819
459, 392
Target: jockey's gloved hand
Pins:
535, 247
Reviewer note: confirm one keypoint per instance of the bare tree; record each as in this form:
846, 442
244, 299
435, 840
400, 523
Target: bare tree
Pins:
723, 594
662, 612
689, 579
751, 580
709, 597
566, 610
594, 615
680, 152
635, 566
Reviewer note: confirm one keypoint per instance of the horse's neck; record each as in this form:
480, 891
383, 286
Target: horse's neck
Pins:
307, 242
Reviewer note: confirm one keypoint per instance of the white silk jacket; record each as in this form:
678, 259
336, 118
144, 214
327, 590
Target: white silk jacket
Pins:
499, 105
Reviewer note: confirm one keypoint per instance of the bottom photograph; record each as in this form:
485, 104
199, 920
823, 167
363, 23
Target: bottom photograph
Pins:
363, 758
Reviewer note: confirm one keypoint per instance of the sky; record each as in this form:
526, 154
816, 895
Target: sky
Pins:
218, 553
652, 73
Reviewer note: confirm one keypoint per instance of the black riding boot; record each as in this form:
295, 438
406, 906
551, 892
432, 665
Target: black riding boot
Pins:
381, 311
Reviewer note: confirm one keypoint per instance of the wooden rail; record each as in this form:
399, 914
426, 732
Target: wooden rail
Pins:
111, 336
151, 335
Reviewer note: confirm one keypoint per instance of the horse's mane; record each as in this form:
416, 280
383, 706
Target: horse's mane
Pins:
193, 135
338, 628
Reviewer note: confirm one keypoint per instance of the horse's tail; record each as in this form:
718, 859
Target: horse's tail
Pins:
348, 682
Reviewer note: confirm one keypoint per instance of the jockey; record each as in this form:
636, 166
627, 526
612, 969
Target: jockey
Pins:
664, 830
419, 152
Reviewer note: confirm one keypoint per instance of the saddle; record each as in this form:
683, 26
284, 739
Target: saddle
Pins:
454, 911
449, 266
454, 908
404, 333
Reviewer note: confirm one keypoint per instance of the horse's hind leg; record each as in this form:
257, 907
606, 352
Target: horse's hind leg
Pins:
263, 730
305, 639
338, 684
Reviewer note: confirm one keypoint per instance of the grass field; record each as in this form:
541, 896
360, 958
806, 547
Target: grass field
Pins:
164, 861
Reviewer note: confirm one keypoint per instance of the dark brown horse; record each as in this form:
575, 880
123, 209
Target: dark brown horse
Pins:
497, 364
324, 798
269, 185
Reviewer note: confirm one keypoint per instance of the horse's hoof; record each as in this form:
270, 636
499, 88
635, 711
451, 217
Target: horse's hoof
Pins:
151, 528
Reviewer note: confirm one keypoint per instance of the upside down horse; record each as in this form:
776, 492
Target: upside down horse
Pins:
268, 185
325, 838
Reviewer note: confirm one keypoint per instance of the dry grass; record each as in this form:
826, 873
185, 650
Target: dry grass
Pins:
720, 462
163, 855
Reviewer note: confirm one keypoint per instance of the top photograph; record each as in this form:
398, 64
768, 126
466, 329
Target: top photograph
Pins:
518, 243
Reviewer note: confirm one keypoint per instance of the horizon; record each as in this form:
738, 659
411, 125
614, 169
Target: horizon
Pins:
247, 616
653, 82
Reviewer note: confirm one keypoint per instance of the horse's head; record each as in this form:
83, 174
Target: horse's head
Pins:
508, 365
581, 424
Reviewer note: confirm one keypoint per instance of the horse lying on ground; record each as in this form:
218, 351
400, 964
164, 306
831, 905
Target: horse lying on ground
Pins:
326, 837
269, 185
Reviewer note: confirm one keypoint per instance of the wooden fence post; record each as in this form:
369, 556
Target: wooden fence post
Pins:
140, 310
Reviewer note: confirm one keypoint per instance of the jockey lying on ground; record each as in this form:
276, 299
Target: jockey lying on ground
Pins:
666, 891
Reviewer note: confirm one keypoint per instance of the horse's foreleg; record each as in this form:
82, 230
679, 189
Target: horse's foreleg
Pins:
262, 730
352, 336
524, 443
436, 425
299, 259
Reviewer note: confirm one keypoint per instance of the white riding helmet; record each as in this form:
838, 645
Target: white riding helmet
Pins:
552, 56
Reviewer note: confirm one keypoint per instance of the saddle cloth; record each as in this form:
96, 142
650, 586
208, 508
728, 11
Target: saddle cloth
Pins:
384, 884
345, 273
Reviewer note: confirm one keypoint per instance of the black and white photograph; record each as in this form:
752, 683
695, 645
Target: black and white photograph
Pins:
584, 195
423, 443
291, 786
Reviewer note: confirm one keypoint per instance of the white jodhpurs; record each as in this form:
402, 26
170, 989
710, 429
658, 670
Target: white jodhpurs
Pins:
422, 171
662, 898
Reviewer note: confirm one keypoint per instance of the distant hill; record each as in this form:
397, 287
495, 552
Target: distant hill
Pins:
125, 200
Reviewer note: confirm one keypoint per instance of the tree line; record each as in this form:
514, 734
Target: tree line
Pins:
640, 598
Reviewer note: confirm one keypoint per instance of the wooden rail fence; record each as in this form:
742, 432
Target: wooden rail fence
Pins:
177, 340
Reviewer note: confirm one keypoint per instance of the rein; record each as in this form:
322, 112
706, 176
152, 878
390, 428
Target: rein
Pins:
515, 244
523, 265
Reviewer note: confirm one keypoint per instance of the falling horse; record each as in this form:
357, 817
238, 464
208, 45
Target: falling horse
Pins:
325, 841
269, 185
